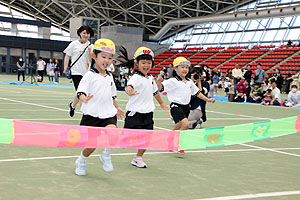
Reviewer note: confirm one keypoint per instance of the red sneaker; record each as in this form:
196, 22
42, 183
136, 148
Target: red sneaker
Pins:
181, 152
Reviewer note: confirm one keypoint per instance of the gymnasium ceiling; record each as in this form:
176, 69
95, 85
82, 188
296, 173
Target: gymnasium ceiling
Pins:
150, 15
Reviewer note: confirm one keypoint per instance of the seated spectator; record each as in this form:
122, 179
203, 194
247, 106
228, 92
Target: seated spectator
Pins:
247, 84
267, 98
227, 85
294, 97
256, 94
216, 80
241, 92
275, 93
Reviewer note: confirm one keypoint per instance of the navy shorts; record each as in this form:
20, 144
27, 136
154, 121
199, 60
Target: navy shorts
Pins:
88, 120
179, 112
76, 80
135, 120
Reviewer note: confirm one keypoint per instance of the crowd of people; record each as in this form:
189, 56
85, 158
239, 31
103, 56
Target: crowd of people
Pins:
242, 85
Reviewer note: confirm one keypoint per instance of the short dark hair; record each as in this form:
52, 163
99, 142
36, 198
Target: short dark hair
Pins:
273, 81
87, 29
40, 57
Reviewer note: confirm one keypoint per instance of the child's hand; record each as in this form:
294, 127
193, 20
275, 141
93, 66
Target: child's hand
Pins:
159, 78
120, 114
130, 91
165, 107
211, 100
84, 98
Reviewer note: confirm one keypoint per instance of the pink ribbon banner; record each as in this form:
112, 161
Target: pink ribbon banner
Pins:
74, 136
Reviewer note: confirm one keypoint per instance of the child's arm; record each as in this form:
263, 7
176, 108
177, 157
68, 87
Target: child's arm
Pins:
161, 103
130, 91
203, 97
120, 112
83, 98
159, 80
90, 53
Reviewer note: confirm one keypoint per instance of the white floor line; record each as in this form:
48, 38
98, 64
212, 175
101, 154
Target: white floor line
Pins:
34, 104
147, 153
240, 115
258, 195
66, 93
272, 150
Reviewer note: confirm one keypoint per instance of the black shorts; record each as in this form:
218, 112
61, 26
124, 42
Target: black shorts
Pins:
88, 120
139, 120
179, 112
76, 80
226, 89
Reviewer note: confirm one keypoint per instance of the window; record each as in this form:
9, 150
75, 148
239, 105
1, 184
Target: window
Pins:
15, 52
3, 50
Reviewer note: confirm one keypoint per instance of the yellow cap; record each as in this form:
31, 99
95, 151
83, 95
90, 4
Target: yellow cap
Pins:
181, 61
105, 45
143, 51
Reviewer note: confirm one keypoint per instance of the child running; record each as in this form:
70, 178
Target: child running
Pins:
141, 88
97, 92
179, 91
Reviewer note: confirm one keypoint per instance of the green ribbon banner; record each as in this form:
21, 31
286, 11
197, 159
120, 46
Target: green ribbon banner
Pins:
6, 131
237, 134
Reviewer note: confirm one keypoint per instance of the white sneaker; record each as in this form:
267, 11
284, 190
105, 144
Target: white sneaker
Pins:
107, 164
138, 162
80, 168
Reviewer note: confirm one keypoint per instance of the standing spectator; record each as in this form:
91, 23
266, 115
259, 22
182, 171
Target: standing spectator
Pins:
80, 53
248, 74
205, 70
40, 66
228, 74
237, 74
198, 106
278, 78
56, 71
170, 71
21, 68
50, 70
275, 93
259, 75
294, 97
289, 43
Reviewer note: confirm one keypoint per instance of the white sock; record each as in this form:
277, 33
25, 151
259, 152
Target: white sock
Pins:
106, 152
82, 158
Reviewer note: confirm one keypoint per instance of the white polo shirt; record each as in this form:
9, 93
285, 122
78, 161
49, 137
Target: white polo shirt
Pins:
146, 86
276, 94
74, 50
103, 90
40, 65
179, 91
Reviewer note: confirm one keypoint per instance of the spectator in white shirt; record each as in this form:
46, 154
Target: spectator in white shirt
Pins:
275, 94
40, 66
294, 97
80, 47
